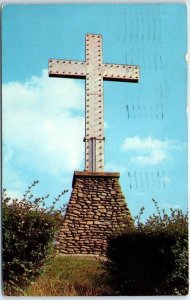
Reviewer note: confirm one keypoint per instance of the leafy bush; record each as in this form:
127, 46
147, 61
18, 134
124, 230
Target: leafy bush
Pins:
28, 232
151, 258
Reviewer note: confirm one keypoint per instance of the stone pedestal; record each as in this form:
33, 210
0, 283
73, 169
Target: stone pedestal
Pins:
96, 209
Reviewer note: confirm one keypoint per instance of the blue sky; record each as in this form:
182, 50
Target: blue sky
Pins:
145, 123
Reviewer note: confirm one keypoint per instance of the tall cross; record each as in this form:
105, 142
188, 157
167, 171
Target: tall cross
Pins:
94, 71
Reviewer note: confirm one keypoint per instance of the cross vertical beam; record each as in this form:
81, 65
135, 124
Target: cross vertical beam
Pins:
94, 71
94, 103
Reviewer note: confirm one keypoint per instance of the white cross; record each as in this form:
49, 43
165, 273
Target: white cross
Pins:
94, 71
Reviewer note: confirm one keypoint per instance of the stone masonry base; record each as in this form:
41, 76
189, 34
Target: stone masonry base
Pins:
96, 209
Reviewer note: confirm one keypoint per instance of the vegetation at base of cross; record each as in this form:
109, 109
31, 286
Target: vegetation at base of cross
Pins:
29, 228
70, 276
149, 259
152, 258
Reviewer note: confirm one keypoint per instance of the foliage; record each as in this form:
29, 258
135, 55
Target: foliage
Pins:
70, 276
28, 229
151, 258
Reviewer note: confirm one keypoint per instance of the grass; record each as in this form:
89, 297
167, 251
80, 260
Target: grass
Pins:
70, 276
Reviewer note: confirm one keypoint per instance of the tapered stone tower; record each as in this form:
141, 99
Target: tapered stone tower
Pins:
96, 209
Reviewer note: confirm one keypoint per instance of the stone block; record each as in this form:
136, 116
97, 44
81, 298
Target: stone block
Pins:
89, 222
80, 195
96, 209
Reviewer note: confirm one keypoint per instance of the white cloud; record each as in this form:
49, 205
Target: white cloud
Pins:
169, 205
14, 194
106, 125
43, 124
149, 151
166, 179
113, 167
9, 171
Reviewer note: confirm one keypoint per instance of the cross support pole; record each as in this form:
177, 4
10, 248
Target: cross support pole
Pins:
94, 71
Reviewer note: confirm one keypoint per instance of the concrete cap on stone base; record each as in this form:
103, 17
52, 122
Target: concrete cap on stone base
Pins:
94, 174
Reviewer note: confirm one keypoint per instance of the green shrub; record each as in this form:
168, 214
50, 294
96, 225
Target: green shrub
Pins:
151, 258
28, 232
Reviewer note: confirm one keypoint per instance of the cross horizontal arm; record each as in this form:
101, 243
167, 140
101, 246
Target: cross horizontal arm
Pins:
67, 68
120, 72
